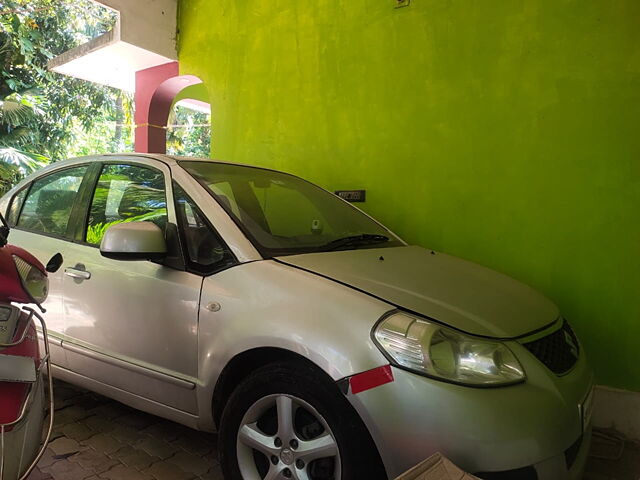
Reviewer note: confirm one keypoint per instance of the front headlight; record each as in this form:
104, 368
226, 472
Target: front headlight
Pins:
435, 351
33, 280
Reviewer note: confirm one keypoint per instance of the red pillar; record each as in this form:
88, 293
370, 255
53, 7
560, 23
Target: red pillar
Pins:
150, 134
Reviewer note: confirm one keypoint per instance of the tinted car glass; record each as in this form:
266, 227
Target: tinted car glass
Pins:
15, 206
283, 214
204, 246
48, 205
126, 193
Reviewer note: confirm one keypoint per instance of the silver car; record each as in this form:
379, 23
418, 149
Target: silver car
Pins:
314, 340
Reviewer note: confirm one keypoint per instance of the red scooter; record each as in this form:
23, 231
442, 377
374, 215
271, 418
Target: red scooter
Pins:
23, 282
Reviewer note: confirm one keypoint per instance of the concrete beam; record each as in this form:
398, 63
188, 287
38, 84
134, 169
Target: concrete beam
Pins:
143, 37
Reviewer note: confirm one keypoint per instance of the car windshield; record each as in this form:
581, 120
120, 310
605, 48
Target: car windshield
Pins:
283, 214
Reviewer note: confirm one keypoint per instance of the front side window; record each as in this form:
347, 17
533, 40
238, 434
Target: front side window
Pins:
205, 249
47, 208
283, 214
126, 193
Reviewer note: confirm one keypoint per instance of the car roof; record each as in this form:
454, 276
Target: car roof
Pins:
168, 159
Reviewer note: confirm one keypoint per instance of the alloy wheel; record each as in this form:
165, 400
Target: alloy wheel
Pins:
283, 437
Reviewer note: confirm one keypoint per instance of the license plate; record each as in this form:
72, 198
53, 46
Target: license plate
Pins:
586, 409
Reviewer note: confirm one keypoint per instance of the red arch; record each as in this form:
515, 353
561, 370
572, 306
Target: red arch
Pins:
156, 88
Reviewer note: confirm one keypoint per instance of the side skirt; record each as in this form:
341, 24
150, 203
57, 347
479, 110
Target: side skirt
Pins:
130, 399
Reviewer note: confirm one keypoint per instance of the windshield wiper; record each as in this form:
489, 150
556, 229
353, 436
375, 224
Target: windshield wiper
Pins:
354, 240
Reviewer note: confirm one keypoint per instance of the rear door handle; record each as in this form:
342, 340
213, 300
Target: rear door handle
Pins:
75, 273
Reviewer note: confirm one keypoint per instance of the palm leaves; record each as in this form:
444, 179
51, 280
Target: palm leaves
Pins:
16, 111
8, 176
24, 162
15, 164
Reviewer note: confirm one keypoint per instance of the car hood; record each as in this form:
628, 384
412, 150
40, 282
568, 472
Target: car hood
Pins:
456, 292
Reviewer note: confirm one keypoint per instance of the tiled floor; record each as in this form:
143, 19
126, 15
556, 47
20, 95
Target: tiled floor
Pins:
612, 458
98, 438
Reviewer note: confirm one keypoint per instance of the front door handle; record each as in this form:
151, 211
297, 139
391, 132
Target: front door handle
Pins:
75, 273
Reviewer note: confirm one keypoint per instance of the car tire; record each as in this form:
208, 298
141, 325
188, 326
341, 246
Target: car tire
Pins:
304, 407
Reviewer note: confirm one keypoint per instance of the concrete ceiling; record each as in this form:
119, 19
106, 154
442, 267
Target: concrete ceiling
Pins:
143, 37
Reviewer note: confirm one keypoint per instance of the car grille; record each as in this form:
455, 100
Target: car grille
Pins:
559, 351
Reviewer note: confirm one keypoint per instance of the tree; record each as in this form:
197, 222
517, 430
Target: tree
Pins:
189, 132
16, 111
45, 116
9, 175
41, 111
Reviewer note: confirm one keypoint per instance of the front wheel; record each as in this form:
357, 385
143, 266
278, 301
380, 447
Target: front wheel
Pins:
290, 421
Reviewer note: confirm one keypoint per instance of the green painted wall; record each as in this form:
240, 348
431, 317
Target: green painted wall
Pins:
502, 132
198, 92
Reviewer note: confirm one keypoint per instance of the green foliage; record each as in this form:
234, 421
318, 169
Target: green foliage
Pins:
111, 133
45, 115
189, 136
23, 162
97, 231
16, 109
126, 194
9, 174
14, 164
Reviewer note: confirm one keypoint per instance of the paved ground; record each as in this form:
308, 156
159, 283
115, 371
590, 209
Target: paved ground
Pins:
612, 458
98, 438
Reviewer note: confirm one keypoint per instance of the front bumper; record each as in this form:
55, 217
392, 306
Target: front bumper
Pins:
530, 426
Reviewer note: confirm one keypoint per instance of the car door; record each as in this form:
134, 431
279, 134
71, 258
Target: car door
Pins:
132, 325
40, 216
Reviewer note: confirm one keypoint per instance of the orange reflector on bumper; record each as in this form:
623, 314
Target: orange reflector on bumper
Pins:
371, 379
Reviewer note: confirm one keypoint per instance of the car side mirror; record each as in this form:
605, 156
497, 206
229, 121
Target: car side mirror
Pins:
134, 241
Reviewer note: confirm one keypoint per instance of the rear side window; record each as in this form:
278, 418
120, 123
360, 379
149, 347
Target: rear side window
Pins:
126, 193
15, 206
48, 205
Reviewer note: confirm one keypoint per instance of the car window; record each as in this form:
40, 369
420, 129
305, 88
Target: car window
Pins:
48, 205
289, 213
126, 193
15, 206
224, 193
204, 246
281, 211
283, 214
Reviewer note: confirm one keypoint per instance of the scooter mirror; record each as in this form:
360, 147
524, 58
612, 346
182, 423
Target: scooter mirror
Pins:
4, 235
54, 264
4, 231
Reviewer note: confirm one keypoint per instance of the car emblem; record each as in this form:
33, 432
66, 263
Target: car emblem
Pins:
572, 344
286, 456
